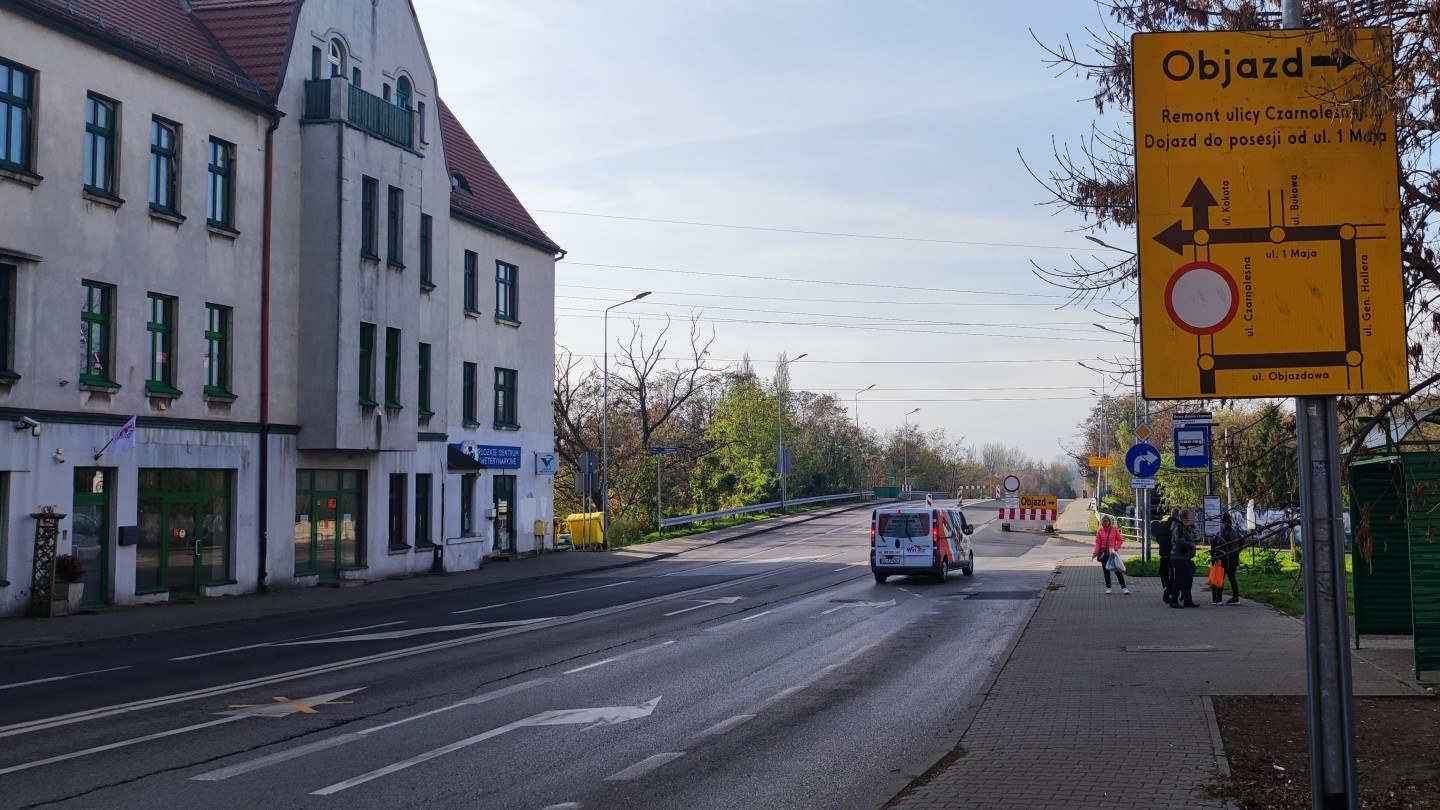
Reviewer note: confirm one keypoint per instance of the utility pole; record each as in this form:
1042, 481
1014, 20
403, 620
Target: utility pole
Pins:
1333, 782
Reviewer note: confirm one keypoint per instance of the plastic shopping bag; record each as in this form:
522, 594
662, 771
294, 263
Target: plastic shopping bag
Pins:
1119, 562
1217, 576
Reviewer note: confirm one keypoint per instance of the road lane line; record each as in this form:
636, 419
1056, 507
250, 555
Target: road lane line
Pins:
645, 766
725, 725
351, 736
123, 743
415, 760
368, 627
30, 726
620, 657
547, 596
282, 641
719, 627
60, 677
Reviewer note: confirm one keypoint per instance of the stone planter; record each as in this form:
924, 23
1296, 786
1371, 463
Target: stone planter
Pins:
67, 598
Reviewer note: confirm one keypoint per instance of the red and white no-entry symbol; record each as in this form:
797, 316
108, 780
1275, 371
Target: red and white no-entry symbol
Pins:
1202, 298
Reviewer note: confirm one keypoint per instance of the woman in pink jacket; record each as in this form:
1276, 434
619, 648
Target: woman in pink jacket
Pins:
1108, 542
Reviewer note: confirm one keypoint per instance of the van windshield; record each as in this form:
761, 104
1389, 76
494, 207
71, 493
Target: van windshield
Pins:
904, 525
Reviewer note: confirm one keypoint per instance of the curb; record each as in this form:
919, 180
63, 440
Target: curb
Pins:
410, 598
967, 717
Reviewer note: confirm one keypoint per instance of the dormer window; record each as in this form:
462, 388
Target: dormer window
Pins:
457, 180
336, 59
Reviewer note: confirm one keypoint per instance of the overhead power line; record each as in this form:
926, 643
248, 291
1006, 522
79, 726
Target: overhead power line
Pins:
932, 302
972, 242
807, 361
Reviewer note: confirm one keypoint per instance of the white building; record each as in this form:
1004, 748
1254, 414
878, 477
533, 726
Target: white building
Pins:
283, 254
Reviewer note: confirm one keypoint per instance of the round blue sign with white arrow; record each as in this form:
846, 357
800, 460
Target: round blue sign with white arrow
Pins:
1142, 460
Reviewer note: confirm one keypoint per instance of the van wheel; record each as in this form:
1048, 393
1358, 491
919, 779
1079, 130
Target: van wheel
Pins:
880, 578
944, 572
970, 566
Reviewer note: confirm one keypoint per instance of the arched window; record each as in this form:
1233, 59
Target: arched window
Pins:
336, 58
402, 92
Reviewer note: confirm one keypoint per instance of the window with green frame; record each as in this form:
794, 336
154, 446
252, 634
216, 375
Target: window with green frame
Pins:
507, 292
164, 166
161, 332
17, 115
422, 511
505, 397
395, 227
367, 365
469, 408
100, 145
427, 233
392, 369
472, 290
7, 323
422, 396
369, 202
217, 351
397, 523
220, 193
96, 335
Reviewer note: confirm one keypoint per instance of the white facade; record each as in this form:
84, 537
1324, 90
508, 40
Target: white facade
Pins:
354, 476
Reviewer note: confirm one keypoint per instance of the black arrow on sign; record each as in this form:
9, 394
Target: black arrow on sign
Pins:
1199, 201
1339, 61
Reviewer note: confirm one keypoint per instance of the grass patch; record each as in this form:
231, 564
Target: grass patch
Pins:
1265, 576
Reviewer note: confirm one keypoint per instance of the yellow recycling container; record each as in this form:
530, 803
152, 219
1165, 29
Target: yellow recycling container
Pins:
585, 529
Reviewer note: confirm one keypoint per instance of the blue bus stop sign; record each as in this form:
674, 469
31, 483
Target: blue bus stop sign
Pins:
1142, 461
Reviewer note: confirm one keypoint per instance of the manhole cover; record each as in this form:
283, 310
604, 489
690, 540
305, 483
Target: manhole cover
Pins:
1003, 595
1174, 648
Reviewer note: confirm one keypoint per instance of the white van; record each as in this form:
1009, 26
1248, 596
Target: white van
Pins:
920, 540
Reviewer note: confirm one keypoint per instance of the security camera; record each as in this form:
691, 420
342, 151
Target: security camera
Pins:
26, 423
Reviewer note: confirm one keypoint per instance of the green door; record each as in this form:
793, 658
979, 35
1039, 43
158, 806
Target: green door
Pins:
329, 510
184, 519
504, 491
90, 531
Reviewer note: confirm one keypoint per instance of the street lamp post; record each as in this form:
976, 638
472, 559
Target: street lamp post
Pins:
780, 420
905, 450
605, 426
859, 445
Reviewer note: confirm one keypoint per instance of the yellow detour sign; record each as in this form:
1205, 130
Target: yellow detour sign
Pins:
1037, 501
1269, 222
1102, 462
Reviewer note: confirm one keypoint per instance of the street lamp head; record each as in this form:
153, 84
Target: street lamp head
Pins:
800, 356
641, 295
867, 388
917, 410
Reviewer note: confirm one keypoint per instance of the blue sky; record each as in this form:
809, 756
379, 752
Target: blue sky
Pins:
900, 119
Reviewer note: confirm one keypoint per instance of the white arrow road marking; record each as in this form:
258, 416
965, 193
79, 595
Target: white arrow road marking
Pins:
278, 710
645, 766
621, 657
60, 678
609, 715
282, 641
724, 600
890, 603
351, 736
415, 631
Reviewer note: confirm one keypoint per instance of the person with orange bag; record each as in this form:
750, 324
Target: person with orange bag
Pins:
1224, 560
1107, 552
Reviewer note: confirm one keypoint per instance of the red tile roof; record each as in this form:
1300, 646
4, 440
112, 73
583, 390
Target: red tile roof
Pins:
489, 200
160, 30
255, 33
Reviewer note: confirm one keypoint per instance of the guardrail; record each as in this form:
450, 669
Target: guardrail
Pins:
682, 520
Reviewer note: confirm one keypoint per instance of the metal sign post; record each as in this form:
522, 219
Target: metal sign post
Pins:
660, 452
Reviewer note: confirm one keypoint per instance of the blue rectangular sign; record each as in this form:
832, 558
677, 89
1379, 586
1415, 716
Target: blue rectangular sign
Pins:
498, 456
1192, 447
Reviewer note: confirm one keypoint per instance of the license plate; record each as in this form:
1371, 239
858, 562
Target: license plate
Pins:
888, 559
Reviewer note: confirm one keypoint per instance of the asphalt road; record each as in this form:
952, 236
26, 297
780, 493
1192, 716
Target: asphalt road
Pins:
770, 671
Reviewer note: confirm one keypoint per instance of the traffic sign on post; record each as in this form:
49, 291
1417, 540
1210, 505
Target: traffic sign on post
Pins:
1102, 462
1142, 461
1192, 447
1269, 216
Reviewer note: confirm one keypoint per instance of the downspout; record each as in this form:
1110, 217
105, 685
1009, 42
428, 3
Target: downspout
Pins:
263, 574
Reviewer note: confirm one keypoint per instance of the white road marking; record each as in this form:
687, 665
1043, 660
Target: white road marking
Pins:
369, 627
726, 625
610, 715
838, 570
645, 766
60, 678
890, 603
725, 725
275, 710
282, 641
414, 631
724, 600
351, 663
349, 737
784, 559
620, 657
547, 596
565, 806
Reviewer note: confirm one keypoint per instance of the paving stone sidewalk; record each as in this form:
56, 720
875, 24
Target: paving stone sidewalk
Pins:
1102, 702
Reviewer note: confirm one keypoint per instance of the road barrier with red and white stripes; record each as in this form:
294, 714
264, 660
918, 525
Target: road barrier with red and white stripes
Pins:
1016, 513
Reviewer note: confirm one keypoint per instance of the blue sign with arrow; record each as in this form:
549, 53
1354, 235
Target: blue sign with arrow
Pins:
1142, 460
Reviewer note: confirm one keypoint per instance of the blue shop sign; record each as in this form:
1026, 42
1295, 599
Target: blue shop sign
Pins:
490, 456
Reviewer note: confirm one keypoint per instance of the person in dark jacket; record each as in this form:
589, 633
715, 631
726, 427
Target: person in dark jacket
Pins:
1182, 557
1225, 552
1161, 531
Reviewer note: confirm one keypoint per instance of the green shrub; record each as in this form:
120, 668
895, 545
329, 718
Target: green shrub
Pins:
68, 568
